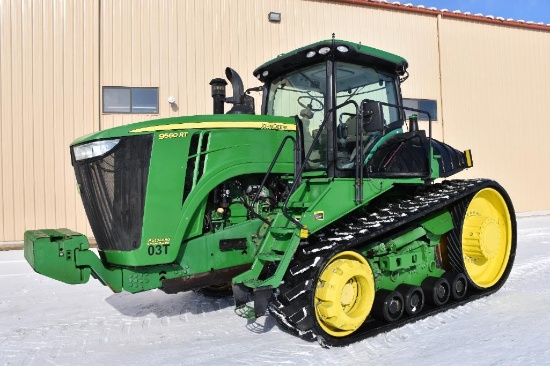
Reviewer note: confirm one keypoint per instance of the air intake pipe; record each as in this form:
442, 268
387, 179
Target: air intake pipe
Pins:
218, 94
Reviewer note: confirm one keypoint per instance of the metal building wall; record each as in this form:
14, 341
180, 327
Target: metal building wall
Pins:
180, 46
49, 83
189, 43
496, 88
57, 54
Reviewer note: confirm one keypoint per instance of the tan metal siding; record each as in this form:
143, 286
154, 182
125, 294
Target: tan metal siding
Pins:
496, 92
180, 46
57, 54
6, 171
49, 81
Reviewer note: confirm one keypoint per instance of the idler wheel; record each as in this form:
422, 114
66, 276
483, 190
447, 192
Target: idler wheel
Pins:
344, 294
487, 236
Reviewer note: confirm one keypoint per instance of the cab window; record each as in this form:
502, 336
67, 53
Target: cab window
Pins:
357, 83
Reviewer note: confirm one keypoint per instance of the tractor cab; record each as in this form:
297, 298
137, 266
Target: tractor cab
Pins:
325, 84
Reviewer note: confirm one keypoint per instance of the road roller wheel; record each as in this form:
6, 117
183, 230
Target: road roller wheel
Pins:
344, 294
413, 298
388, 306
437, 290
459, 284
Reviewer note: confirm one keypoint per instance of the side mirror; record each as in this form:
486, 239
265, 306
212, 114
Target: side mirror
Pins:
373, 116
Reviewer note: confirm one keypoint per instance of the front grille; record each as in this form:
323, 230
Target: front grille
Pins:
113, 188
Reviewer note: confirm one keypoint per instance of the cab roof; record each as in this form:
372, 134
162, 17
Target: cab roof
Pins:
356, 53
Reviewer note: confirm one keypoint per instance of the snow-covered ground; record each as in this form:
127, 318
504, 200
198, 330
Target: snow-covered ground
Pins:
43, 321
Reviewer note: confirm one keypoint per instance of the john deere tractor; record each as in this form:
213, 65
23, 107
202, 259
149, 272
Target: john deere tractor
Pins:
327, 210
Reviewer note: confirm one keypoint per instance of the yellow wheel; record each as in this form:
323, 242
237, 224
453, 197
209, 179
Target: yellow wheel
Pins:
486, 238
344, 294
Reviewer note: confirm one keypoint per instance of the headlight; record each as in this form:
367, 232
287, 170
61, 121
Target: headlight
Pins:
93, 149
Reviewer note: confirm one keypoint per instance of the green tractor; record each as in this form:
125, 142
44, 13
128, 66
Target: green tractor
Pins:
323, 211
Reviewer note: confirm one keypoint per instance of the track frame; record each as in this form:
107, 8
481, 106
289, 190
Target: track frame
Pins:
292, 304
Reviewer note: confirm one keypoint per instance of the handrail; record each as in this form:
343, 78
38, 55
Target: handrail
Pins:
359, 152
302, 167
262, 185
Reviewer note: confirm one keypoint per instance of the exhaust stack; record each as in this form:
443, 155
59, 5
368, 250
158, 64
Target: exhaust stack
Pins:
242, 103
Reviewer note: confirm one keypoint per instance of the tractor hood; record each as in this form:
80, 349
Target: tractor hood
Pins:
199, 122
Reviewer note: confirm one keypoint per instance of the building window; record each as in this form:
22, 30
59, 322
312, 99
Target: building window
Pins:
121, 99
427, 105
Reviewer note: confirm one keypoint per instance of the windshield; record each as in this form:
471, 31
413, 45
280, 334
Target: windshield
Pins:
302, 93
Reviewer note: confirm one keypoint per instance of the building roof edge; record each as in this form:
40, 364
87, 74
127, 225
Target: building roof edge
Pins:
445, 13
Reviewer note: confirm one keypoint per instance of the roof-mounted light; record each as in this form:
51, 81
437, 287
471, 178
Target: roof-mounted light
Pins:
265, 73
324, 50
310, 54
342, 49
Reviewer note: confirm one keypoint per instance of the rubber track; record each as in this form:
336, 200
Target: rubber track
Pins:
291, 304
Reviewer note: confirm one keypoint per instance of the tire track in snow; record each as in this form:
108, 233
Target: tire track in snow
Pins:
526, 271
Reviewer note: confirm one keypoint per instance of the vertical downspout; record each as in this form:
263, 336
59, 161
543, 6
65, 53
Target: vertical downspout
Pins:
99, 43
441, 114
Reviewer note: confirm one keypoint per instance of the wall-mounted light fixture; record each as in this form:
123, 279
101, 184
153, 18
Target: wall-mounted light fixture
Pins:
274, 17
